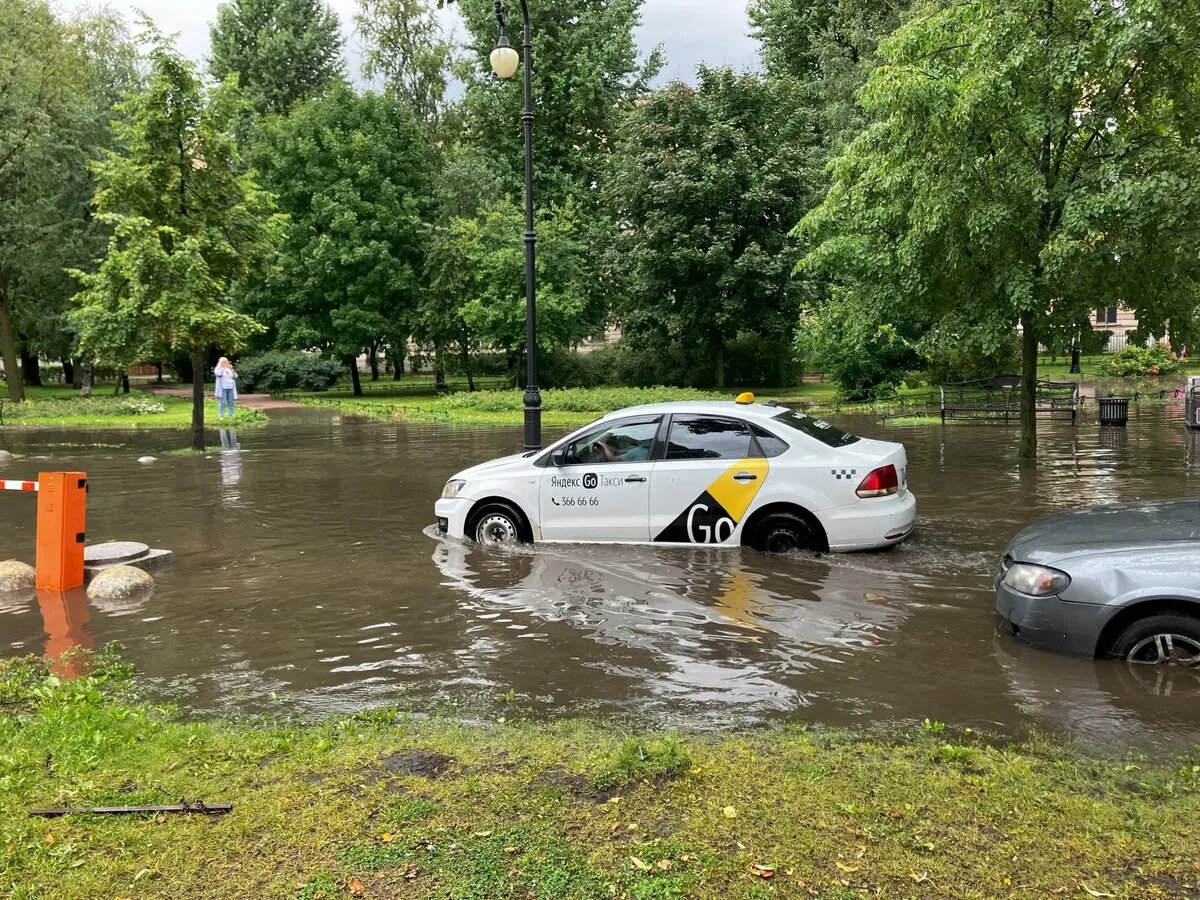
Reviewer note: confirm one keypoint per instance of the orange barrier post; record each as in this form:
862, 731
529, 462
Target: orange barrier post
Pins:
61, 527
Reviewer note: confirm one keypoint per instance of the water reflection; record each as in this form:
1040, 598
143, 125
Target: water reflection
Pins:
65, 618
231, 468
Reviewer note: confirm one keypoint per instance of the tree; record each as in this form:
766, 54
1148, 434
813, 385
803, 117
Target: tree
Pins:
1026, 161
406, 49
188, 222
39, 66
709, 182
59, 230
352, 171
478, 269
586, 68
283, 51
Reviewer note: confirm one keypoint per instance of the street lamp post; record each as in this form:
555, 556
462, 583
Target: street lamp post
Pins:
505, 61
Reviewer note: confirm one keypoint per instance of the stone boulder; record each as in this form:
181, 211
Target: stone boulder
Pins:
15, 576
5, 456
119, 583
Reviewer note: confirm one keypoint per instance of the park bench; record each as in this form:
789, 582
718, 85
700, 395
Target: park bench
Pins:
999, 397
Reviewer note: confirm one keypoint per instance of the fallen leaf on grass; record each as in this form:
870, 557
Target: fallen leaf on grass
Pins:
355, 887
411, 871
762, 871
919, 877
387, 837
665, 864
639, 864
846, 868
510, 849
1095, 893
482, 834
729, 812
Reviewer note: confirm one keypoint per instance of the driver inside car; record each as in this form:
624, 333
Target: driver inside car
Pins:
635, 452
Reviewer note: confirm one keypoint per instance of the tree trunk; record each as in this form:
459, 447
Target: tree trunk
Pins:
76, 373
466, 360
117, 387
439, 373
85, 382
396, 358
373, 359
159, 379
719, 364
352, 362
124, 382
8, 350
197, 398
31, 369
1029, 345
68, 371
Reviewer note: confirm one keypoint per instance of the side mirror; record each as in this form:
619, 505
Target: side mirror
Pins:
559, 456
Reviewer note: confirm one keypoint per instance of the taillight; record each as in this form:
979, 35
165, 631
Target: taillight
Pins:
881, 483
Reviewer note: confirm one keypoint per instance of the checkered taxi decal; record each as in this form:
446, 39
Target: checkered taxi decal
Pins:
840, 474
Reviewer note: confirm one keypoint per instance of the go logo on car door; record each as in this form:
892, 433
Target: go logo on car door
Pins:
713, 516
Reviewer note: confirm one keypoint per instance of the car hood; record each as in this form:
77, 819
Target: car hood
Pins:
1096, 529
492, 466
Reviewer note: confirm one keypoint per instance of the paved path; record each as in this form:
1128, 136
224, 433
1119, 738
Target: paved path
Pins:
249, 401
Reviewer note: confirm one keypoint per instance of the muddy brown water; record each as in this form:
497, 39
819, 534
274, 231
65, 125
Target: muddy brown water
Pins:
309, 582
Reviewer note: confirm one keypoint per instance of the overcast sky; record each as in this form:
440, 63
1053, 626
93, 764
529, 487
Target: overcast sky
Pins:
691, 31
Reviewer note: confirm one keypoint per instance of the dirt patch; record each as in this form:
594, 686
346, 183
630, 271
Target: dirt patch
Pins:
422, 763
578, 786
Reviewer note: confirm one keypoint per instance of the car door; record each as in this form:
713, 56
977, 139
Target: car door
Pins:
597, 487
712, 469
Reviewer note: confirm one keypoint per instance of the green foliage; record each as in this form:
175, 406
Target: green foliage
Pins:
188, 223
125, 405
1024, 162
954, 355
707, 182
1135, 360
352, 172
586, 69
406, 49
639, 759
477, 267
866, 358
283, 51
288, 370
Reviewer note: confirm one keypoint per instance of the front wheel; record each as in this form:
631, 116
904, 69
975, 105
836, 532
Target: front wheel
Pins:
498, 524
1166, 639
783, 533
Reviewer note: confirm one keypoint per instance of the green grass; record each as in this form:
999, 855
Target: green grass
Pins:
341, 808
1059, 369
61, 406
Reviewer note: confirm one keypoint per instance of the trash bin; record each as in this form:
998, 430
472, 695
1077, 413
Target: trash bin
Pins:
1114, 411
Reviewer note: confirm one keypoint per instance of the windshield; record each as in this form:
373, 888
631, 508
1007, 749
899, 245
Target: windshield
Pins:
815, 428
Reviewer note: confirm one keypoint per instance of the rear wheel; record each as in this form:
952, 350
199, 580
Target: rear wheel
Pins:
497, 524
1165, 639
783, 533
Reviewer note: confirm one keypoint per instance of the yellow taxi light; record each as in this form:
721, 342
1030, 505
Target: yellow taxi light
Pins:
745, 397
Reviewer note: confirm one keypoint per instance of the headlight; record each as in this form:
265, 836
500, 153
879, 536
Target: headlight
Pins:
452, 488
1036, 581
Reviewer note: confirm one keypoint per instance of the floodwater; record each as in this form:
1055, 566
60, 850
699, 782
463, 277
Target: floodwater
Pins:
310, 582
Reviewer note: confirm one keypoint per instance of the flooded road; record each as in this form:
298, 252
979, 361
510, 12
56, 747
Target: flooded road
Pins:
309, 582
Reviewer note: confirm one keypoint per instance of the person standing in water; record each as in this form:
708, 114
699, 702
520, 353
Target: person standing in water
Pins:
226, 388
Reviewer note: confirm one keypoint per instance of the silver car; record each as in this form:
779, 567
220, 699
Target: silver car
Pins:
1121, 580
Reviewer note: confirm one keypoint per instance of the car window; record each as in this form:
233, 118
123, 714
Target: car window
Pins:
707, 437
630, 440
815, 428
770, 444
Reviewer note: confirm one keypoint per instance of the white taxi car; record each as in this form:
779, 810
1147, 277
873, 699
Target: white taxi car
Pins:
735, 473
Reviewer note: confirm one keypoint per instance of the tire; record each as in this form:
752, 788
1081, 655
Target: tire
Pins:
1161, 639
783, 533
498, 524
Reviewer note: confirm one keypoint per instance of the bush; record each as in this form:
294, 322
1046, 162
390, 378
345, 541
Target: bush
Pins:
576, 400
1134, 360
288, 370
955, 357
135, 404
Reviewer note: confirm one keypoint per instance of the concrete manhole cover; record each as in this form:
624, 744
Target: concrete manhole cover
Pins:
113, 552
